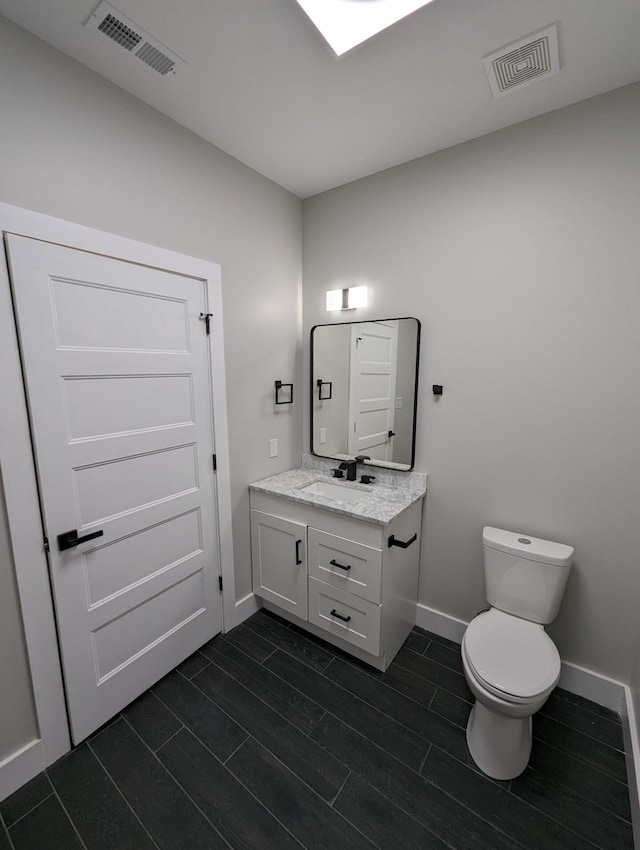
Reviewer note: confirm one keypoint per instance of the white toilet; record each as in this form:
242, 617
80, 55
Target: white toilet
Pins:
510, 662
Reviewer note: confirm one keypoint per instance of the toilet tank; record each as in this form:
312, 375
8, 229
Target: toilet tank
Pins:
525, 576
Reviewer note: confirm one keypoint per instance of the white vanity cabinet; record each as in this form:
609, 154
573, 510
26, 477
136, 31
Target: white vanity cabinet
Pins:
279, 561
349, 581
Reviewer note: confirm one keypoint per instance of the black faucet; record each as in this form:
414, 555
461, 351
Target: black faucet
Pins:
350, 466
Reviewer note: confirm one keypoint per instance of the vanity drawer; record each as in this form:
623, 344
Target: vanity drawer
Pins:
360, 625
342, 563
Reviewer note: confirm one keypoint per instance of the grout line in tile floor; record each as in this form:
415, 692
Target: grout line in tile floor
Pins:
178, 783
69, 818
231, 755
325, 802
172, 736
331, 802
118, 789
30, 810
257, 799
4, 827
424, 760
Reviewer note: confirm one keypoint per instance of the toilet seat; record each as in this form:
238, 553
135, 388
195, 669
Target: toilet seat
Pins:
513, 659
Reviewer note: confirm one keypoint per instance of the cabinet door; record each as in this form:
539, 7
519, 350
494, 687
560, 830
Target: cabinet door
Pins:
279, 562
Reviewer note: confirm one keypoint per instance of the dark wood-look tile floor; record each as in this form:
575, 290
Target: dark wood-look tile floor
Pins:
270, 738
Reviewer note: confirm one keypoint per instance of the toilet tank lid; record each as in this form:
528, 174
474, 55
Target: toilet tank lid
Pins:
527, 547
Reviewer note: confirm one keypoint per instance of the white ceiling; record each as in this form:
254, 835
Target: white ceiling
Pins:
261, 84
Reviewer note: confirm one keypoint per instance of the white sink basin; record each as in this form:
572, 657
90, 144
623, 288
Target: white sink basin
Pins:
337, 492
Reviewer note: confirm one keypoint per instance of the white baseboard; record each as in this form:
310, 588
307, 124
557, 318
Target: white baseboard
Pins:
594, 686
631, 732
20, 767
578, 680
245, 608
441, 624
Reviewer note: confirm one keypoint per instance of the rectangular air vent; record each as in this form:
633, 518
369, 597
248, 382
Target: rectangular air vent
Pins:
119, 32
109, 22
523, 62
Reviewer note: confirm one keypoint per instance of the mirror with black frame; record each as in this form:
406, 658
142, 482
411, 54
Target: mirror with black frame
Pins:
364, 382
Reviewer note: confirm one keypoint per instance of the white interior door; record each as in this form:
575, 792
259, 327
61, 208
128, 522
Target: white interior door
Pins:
372, 389
117, 373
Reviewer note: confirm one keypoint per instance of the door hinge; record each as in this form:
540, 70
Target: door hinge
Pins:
45, 545
220, 582
215, 463
207, 317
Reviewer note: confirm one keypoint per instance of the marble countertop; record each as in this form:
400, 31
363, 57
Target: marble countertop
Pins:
380, 502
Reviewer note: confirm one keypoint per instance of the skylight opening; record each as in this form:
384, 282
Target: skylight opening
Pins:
344, 24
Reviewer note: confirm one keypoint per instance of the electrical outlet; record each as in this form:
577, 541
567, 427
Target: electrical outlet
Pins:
323, 435
273, 447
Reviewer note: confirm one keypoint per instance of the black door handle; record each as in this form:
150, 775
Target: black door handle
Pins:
392, 434
403, 544
334, 563
298, 558
344, 619
70, 538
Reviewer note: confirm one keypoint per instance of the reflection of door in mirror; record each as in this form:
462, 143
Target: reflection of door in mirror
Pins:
372, 389
371, 368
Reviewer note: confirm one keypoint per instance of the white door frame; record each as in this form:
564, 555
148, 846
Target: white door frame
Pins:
20, 487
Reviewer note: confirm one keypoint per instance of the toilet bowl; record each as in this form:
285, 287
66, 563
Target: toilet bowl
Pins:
511, 671
510, 662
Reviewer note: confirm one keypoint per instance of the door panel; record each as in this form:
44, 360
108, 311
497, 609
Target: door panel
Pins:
129, 320
106, 407
115, 486
117, 374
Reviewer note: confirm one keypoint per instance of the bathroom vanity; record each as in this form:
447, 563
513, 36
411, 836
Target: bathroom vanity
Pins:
340, 558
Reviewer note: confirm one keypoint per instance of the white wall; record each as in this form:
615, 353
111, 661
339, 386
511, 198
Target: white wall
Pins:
18, 723
519, 252
74, 146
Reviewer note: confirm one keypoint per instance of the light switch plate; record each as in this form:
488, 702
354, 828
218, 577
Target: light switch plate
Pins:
323, 435
398, 402
273, 447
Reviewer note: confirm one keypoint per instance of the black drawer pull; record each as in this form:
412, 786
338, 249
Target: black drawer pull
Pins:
298, 558
70, 539
334, 613
334, 563
403, 544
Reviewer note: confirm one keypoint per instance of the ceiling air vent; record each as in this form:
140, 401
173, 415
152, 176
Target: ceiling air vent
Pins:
523, 62
108, 21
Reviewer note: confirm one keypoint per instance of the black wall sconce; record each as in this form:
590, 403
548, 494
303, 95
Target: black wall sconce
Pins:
284, 393
323, 393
